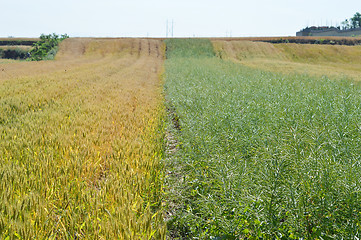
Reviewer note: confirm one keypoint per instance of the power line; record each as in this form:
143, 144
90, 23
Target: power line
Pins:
169, 29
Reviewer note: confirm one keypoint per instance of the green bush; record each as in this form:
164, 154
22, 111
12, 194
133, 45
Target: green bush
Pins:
46, 48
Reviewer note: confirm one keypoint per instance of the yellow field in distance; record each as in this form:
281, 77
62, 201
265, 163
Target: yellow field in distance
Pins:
313, 59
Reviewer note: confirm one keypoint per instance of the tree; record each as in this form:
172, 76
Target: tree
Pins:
345, 24
47, 45
356, 20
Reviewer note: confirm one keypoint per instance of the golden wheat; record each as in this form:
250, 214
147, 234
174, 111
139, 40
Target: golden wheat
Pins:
81, 139
313, 59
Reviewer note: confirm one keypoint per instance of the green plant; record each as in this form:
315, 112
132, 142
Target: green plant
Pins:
189, 48
46, 48
262, 155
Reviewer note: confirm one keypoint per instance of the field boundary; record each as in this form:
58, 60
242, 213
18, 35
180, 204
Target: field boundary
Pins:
18, 42
349, 41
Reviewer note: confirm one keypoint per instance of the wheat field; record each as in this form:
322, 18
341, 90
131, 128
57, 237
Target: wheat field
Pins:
338, 61
80, 142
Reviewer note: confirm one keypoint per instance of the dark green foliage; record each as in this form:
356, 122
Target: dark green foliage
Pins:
356, 20
343, 41
46, 48
17, 42
262, 155
13, 53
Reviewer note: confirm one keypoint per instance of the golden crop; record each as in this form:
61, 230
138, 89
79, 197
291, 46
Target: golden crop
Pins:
81, 138
313, 59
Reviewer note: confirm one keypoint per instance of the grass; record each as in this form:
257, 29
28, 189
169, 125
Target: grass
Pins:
261, 155
80, 142
317, 60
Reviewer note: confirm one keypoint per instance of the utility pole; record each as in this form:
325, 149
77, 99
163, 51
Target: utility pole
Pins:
172, 26
166, 32
169, 29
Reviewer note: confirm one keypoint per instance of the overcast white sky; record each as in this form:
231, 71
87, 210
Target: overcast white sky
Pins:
141, 18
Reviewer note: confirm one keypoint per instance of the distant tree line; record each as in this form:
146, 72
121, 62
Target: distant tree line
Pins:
354, 22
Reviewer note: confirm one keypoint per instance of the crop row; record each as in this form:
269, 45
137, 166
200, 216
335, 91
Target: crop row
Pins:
251, 154
261, 155
80, 147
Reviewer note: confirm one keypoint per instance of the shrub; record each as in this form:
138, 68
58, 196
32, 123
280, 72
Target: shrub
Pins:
46, 48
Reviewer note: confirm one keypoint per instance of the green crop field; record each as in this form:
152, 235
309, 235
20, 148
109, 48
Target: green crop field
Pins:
260, 155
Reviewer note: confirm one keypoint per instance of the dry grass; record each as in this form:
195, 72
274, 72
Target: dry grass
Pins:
80, 142
331, 60
267, 39
25, 48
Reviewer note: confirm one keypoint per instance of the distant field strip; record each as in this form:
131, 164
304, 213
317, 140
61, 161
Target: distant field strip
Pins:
81, 138
26, 48
18, 41
331, 60
324, 40
261, 155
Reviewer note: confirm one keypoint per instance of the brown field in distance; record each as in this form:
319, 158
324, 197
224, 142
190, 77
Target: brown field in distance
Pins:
293, 39
314, 59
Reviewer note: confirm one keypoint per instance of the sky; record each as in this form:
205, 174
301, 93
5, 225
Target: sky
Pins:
191, 18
